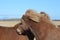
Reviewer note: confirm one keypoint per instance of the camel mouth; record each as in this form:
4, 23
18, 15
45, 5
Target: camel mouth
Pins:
18, 31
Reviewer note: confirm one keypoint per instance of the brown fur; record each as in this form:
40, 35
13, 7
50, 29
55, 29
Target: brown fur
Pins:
7, 33
43, 30
23, 27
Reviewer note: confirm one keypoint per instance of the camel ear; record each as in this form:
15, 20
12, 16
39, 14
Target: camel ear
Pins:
43, 13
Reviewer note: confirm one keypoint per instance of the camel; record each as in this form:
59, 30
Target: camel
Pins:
41, 25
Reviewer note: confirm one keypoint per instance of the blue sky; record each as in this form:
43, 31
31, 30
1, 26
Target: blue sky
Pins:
16, 8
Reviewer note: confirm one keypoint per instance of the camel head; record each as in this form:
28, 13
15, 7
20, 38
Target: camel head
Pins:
31, 15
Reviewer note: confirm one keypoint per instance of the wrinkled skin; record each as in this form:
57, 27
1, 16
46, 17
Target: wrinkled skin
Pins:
41, 26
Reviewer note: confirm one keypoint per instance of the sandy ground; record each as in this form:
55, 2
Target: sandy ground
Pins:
8, 23
56, 22
12, 23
